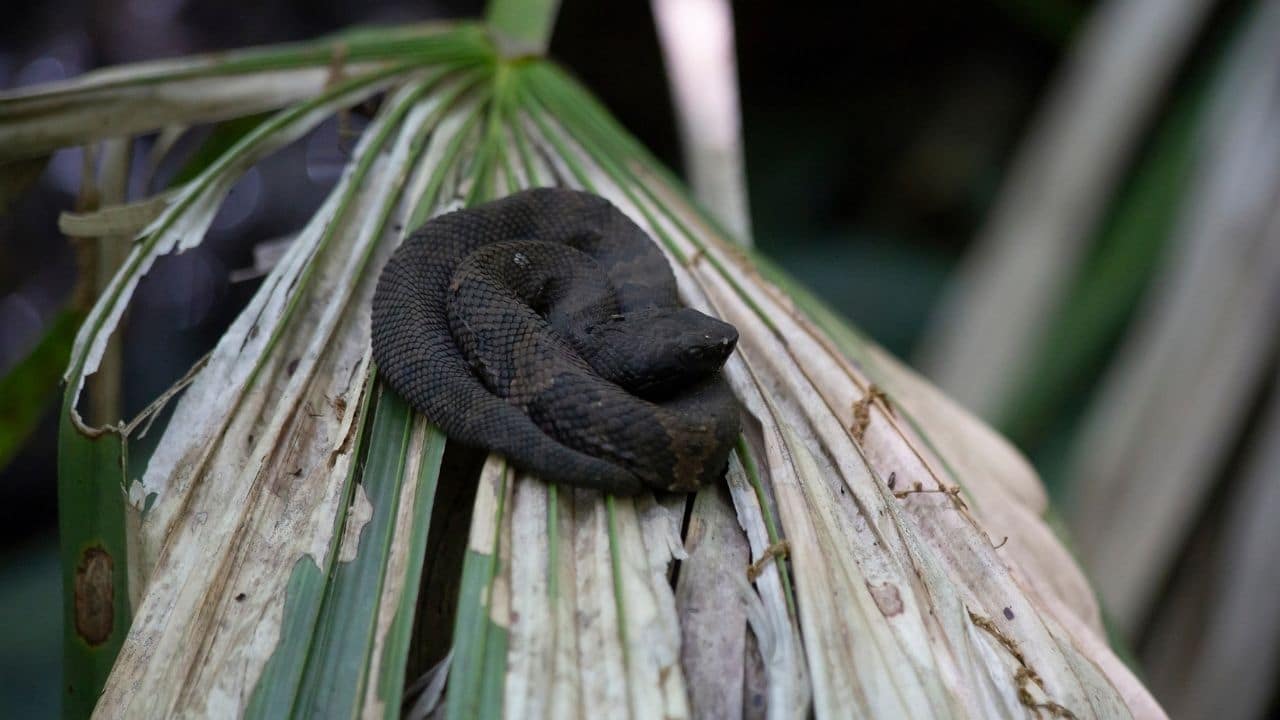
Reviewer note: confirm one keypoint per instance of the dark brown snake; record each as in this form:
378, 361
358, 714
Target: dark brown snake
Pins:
545, 327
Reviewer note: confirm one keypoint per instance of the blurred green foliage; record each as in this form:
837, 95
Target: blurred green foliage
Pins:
28, 389
1080, 339
31, 661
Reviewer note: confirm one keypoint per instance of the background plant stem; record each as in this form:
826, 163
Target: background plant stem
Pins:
521, 27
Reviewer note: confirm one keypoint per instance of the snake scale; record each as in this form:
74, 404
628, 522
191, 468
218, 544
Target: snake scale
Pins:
545, 326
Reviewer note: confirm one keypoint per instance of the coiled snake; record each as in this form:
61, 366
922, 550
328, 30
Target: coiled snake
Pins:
545, 327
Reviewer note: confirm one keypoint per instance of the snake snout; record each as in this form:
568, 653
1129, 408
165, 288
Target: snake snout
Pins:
715, 344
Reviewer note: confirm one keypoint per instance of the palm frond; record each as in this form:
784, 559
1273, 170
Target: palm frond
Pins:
272, 539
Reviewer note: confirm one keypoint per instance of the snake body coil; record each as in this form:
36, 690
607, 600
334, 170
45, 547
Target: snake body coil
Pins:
545, 327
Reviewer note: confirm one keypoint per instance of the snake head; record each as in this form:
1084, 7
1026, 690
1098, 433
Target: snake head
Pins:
701, 342
657, 351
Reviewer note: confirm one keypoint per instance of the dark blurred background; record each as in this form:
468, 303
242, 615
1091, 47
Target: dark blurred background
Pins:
876, 134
